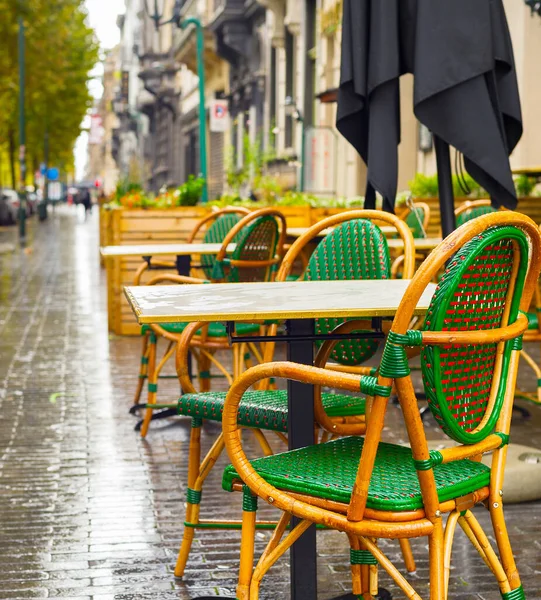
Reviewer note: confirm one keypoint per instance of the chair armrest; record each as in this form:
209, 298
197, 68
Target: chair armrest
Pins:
266, 491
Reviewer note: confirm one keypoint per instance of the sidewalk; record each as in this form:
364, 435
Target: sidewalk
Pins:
90, 511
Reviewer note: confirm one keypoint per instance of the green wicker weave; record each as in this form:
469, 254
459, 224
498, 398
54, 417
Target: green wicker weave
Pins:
256, 242
329, 470
216, 234
414, 220
356, 249
473, 213
263, 410
471, 296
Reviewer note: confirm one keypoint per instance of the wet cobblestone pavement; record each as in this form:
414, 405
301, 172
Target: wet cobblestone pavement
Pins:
90, 511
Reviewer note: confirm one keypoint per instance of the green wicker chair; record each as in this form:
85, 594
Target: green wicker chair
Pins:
215, 226
355, 249
471, 210
417, 218
369, 489
259, 238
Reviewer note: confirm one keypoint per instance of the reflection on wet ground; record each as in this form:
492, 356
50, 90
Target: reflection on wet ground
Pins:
88, 509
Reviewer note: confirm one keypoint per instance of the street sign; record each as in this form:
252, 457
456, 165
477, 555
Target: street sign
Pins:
43, 168
52, 174
219, 116
320, 161
54, 191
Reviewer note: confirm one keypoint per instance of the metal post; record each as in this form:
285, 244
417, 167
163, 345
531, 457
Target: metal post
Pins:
445, 185
200, 37
303, 155
46, 178
22, 136
303, 555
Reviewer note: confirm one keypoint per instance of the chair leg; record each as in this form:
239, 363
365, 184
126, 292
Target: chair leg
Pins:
193, 497
436, 558
204, 372
154, 374
355, 555
407, 554
197, 473
249, 512
275, 549
143, 370
506, 574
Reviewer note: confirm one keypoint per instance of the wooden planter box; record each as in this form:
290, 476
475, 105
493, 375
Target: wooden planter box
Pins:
131, 227
530, 206
105, 230
296, 216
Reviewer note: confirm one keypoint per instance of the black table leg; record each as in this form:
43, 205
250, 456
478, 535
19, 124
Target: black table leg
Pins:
184, 265
303, 554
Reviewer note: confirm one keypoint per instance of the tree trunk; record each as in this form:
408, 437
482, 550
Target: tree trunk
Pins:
12, 158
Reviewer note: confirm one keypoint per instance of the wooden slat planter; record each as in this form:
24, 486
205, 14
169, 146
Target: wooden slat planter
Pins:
530, 206
127, 227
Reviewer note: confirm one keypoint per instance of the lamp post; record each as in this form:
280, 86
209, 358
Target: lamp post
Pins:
200, 44
22, 136
293, 110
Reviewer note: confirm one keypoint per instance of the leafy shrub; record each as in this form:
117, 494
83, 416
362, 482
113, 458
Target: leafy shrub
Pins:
190, 192
525, 185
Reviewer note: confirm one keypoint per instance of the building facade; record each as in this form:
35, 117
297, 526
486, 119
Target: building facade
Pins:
277, 64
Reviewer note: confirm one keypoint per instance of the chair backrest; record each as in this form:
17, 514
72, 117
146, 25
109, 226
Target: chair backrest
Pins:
215, 234
471, 210
417, 219
480, 289
355, 249
216, 226
259, 239
470, 347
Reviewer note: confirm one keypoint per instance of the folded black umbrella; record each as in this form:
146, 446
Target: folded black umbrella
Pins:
465, 92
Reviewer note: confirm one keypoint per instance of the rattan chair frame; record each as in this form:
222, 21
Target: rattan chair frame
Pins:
203, 346
531, 335
362, 525
203, 224
198, 470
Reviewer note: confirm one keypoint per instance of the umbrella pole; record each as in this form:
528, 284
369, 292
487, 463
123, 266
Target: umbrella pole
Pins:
445, 184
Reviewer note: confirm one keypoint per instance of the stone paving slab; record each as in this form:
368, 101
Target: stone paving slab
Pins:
88, 510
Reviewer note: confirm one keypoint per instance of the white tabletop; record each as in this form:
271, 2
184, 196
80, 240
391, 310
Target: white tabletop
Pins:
257, 301
163, 249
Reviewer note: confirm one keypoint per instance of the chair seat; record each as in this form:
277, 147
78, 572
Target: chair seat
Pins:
263, 409
533, 321
216, 330
328, 471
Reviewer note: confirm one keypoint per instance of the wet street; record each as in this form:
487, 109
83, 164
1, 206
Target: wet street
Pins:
88, 510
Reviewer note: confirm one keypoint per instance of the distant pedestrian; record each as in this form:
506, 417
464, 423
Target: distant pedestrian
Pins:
86, 201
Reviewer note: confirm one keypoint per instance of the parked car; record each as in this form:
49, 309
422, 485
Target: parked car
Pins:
5, 210
10, 206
